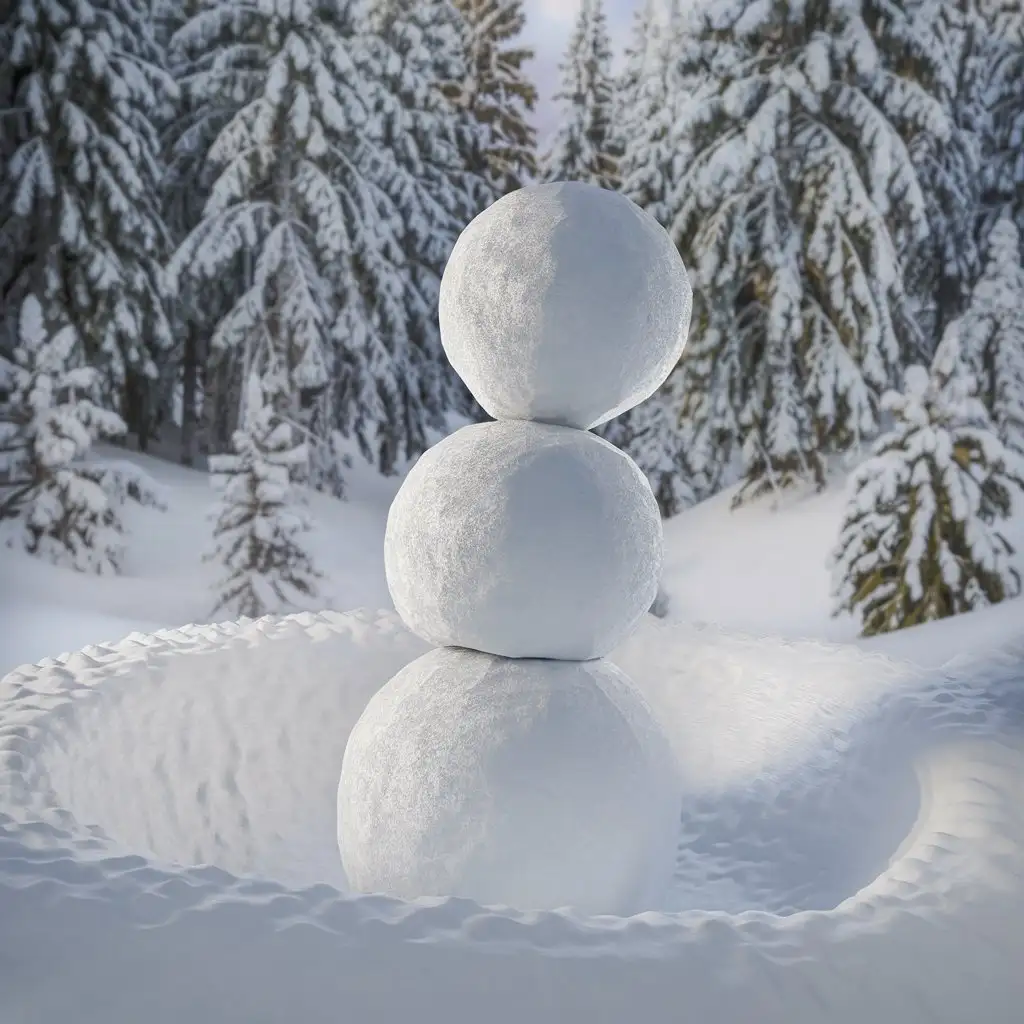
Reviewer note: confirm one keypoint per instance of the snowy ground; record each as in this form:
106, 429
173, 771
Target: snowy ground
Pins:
46, 610
850, 848
851, 841
753, 570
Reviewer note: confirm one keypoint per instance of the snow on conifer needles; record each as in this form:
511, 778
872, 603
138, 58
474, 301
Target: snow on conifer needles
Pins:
81, 189
260, 521
645, 98
304, 166
921, 538
583, 144
989, 336
1002, 76
844, 182
338, 176
431, 142
497, 91
67, 509
831, 175
285, 194
795, 175
653, 435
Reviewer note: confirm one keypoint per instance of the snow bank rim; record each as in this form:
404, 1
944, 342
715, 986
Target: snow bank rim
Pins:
958, 865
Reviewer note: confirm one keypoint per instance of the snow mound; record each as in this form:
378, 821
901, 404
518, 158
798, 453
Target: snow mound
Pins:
564, 303
524, 540
850, 842
534, 784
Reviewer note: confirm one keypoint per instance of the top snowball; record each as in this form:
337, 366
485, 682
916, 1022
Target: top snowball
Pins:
564, 304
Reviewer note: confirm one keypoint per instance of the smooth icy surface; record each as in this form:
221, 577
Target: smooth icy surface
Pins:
851, 843
524, 540
564, 303
534, 784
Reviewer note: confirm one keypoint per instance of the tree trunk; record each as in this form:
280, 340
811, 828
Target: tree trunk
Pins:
136, 408
213, 430
189, 382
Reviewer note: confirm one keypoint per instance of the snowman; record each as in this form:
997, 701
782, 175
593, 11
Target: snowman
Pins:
513, 764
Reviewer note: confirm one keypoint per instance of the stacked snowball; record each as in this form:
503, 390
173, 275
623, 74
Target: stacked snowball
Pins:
509, 766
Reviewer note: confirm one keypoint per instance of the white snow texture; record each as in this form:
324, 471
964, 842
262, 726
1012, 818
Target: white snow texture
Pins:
524, 540
850, 843
564, 303
532, 784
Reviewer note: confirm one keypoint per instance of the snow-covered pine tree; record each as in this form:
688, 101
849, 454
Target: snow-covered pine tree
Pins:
289, 95
921, 540
81, 209
942, 44
988, 338
648, 96
187, 138
428, 140
497, 92
260, 522
66, 508
12, 243
583, 148
652, 435
1004, 103
668, 74
630, 111
796, 190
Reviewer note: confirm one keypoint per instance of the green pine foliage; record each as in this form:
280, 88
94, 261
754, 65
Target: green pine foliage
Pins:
82, 91
498, 93
652, 435
795, 196
921, 538
583, 147
260, 523
988, 338
67, 508
1002, 59
430, 140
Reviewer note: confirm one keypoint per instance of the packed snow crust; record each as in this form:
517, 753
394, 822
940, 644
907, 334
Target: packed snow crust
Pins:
851, 842
536, 784
524, 540
564, 303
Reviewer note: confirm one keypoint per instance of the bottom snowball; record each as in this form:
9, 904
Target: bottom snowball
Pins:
534, 784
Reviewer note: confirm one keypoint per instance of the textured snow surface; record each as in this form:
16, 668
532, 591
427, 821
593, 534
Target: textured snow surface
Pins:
534, 784
851, 843
524, 540
564, 303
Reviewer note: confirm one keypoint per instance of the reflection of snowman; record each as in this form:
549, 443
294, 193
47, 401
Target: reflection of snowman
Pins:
481, 770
